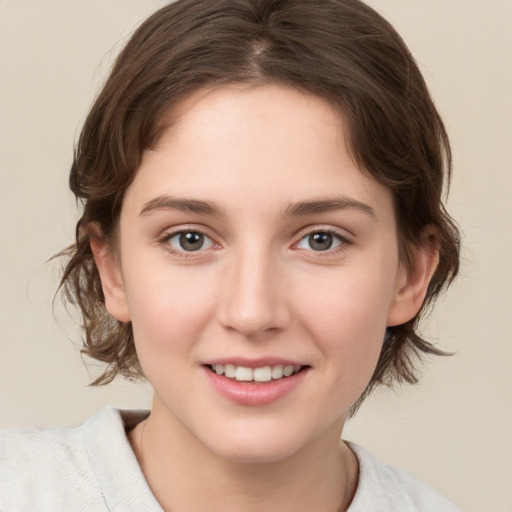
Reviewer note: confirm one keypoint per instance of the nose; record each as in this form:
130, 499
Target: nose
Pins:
253, 300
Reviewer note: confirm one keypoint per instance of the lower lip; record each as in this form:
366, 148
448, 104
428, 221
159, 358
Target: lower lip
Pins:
254, 393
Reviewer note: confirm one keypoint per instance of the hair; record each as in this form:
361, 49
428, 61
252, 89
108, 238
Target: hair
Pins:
339, 50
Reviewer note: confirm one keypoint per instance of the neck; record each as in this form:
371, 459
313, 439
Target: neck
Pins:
185, 475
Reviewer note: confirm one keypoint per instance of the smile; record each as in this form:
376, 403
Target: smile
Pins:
261, 374
250, 385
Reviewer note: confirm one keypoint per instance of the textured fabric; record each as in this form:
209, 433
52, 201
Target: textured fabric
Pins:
383, 488
92, 468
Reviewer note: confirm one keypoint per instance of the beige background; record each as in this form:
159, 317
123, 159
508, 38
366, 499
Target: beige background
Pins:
453, 430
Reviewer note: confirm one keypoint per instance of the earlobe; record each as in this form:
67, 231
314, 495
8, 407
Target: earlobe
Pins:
412, 283
111, 278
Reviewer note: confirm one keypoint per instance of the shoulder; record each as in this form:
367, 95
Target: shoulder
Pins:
60, 468
44, 466
384, 488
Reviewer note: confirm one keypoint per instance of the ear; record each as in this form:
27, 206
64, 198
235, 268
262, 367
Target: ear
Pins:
111, 276
412, 283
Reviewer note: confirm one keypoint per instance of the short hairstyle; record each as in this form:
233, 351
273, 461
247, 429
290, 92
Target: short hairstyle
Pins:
339, 50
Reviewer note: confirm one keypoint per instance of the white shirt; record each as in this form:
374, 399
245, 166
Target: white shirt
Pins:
92, 468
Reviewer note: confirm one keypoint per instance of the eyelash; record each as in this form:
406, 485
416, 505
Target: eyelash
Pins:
167, 237
343, 242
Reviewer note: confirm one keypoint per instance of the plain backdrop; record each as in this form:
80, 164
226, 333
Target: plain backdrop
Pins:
454, 429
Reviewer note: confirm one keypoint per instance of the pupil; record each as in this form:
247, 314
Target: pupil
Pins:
320, 241
191, 241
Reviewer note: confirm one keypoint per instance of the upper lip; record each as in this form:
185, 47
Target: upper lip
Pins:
254, 363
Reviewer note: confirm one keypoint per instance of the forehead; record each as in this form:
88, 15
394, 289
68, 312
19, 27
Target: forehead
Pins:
267, 143
242, 110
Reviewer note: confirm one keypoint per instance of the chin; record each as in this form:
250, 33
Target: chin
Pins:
255, 454
258, 445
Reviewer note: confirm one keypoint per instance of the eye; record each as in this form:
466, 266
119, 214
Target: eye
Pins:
189, 241
320, 241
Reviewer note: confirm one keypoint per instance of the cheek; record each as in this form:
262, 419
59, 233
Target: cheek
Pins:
168, 307
347, 318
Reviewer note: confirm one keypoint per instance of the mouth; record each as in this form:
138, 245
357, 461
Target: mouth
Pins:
257, 375
255, 383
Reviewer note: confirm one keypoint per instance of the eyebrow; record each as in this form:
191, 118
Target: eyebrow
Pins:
328, 205
167, 202
302, 208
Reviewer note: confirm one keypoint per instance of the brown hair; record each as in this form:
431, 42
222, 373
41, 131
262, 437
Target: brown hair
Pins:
340, 50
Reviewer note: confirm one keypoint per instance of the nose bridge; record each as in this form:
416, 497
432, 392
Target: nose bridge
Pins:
253, 300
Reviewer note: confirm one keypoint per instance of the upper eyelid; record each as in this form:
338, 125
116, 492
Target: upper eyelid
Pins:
172, 234
340, 232
172, 231
169, 233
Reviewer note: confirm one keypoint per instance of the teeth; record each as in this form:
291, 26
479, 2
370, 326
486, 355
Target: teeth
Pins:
277, 372
262, 374
230, 371
287, 371
243, 374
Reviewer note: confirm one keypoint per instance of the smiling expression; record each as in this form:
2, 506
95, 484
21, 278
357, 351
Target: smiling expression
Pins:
259, 268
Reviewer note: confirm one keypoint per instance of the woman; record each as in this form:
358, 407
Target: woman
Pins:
262, 228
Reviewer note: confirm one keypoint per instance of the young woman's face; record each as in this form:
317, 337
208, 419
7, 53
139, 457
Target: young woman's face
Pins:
252, 246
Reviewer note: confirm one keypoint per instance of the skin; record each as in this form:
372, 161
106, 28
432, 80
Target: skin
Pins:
256, 289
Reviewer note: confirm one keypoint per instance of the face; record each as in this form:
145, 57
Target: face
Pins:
259, 268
